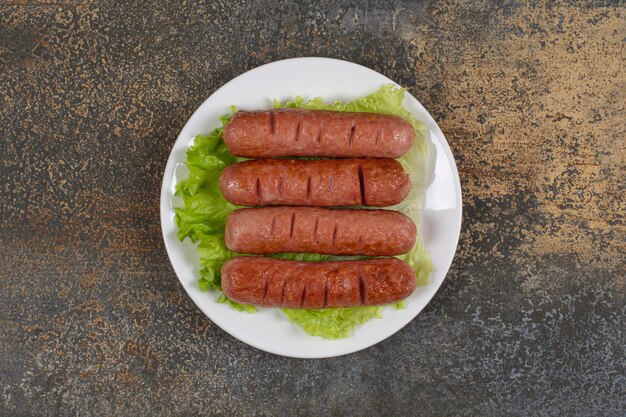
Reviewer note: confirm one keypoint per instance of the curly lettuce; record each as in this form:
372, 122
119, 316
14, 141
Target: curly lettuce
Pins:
202, 218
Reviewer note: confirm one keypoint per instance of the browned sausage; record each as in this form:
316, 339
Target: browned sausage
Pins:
294, 284
345, 182
292, 132
319, 230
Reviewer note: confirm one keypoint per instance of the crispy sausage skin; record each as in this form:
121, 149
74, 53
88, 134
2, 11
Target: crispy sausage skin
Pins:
346, 182
293, 132
319, 230
294, 284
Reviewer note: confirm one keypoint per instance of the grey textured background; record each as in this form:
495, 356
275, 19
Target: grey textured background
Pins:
530, 321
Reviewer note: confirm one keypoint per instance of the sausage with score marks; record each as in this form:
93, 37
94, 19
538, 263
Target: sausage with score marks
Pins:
319, 230
295, 284
294, 132
346, 182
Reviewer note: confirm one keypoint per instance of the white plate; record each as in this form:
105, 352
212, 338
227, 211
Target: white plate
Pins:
331, 79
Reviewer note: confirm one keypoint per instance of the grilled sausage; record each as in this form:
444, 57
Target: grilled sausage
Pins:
319, 230
348, 182
294, 284
292, 132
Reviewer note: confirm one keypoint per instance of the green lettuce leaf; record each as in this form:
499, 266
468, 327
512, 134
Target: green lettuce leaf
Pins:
331, 323
202, 217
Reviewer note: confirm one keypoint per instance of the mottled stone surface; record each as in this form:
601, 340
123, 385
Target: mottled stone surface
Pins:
530, 320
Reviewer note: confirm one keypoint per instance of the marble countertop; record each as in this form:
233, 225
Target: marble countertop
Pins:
531, 318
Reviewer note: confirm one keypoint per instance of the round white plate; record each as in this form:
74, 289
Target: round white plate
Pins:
331, 79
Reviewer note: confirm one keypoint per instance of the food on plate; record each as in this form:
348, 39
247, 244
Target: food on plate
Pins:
204, 211
319, 230
296, 284
295, 132
331, 182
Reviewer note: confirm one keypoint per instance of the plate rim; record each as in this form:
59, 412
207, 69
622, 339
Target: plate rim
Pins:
165, 210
